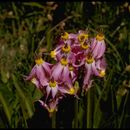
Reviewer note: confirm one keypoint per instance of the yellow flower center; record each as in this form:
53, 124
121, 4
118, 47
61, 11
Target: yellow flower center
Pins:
89, 60
52, 84
71, 91
64, 61
84, 46
52, 54
102, 73
65, 36
71, 68
66, 48
39, 61
82, 37
51, 110
100, 37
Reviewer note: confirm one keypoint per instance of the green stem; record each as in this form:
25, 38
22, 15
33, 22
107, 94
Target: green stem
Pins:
53, 123
123, 111
76, 114
89, 112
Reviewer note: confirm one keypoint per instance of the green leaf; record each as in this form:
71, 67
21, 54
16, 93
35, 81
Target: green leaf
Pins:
103, 95
34, 4
6, 107
37, 95
25, 100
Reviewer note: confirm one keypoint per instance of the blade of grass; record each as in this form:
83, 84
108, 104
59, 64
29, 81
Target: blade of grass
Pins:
24, 99
107, 84
123, 111
5, 107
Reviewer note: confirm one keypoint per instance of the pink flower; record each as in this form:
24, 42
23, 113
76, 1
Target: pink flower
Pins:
36, 82
87, 86
100, 67
61, 70
89, 67
68, 88
52, 87
51, 105
40, 71
98, 46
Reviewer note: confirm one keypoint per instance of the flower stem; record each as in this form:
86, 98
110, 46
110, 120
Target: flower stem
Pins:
76, 114
53, 119
89, 112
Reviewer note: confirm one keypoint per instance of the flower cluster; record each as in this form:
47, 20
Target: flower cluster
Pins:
74, 53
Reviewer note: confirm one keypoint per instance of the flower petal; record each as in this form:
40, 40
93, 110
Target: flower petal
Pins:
54, 91
43, 104
47, 68
101, 50
48, 89
94, 69
56, 71
96, 49
32, 73
88, 74
65, 74
41, 75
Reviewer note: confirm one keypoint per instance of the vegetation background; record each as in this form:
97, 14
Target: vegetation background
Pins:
26, 27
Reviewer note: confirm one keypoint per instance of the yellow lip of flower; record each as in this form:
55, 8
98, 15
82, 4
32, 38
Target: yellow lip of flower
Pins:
100, 37
65, 36
89, 60
39, 61
52, 84
64, 61
84, 46
53, 54
71, 91
82, 37
66, 48
102, 73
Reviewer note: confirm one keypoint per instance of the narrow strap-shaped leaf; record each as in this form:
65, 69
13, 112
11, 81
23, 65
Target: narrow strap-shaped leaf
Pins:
24, 99
5, 107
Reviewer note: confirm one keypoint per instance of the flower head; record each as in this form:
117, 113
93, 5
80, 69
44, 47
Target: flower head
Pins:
98, 46
39, 72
